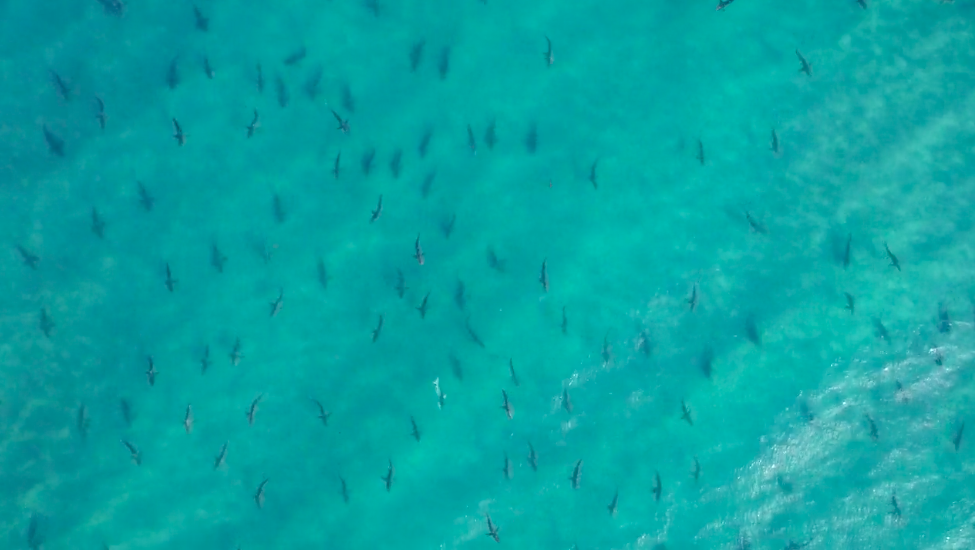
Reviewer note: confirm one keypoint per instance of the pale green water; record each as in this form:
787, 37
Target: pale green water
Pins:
877, 143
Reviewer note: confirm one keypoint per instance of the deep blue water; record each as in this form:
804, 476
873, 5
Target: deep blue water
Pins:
783, 382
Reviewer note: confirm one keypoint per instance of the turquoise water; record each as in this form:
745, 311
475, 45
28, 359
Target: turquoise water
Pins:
875, 145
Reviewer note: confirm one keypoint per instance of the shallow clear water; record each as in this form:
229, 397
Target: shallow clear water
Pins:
876, 144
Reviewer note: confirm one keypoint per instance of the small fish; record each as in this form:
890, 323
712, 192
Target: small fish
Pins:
893, 259
126, 409
613, 503
145, 199
956, 440
188, 419
657, 487
416, 55
46, 324
696, 472
259, 495
207, 68
447, 225
506, 405
427, 184
254, 125
416, 430
388, 478
700, 152
54, 143
281, 90
492, 529
532, 457
367, 159
172, 74
378, 329
34, 538
202, 23
136, 456
343, 124
607, 352
707, 357
494, 262
873, 428
322, 413
323, 276
279, 211
896, 511
422, 308
235, 355
881, 330
372, 6
566, 401
377, 211
592, 174
944, 320
805, 66
576, 476
751, 330
83, 421
846, 251
345, 490
511, 369
549, 55
756, 227
785, 485
425, 142
170, 281
296, 57
692, 300
205, 360
113, 7
471, 142
443, 67
276, 304
473, 335
531, 140
644, 344
252, 410
456, 368
441, 396
490, 135
313, 83
151, 372
221, 457
775, 142
419, 250
396, 163
460, 295
722, 4
100, 112
508, 470
336, 168
97, 224
401, 287
685, 413
61, 86
850, 303
217, 259
543, 277
178, 134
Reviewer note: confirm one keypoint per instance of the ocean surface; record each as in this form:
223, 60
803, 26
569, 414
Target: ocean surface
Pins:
580, 204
